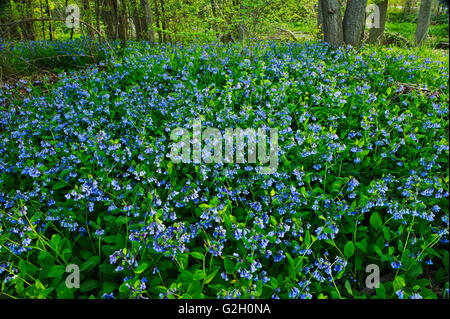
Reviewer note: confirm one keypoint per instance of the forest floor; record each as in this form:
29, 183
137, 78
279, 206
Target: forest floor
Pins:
88, 177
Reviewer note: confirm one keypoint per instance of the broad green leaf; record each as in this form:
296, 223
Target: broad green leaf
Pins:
349, 249
375, 220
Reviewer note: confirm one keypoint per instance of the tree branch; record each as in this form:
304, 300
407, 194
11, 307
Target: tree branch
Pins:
292, 34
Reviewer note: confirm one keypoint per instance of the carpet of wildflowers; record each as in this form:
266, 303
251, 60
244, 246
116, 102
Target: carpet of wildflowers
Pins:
363, 176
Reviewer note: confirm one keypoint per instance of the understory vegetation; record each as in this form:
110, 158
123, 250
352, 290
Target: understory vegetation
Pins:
362, 179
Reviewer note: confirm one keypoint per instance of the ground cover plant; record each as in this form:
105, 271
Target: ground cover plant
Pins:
362, 181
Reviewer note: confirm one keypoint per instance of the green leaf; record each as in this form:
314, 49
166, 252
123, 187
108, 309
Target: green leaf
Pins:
123, 288
362, 245
89, 285
199, 275
62, 292
56, 240
197, 255
141, 268
349, 249
121, 220
55, 271
210, 277
348, 287
185, 276
229, 265
195, 288
59, 185
23, 266
375, 220
90, 263
108, 287
39, 285
398, 283
45, 259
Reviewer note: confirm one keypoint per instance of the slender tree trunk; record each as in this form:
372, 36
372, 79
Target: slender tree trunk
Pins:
49, 14
214, 14
241, 33
354, 21
109, 14
138, 20
87, 10
97, 19
28, 27
423, 21
158, 25
376, 33
122, 18
43, 22
408, 6
6, 15
332, 22
145, 4
320, 16
163, 21
97, 14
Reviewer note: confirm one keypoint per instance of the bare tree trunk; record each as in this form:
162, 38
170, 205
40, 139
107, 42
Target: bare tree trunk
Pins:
145, 4
320, 16
376, 33
28, 27
407, 8
423, 21
164, 22
97, 14
43, 23
87, 10
214, 14
49, 15
6, 14
354, 21
332, 22
122, 17
109, 15
160, 39
241, 33
138, 20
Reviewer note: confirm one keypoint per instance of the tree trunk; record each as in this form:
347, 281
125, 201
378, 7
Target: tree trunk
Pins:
28, 27
138, 20
320, 16
163, 21
6, 15
122, 17
97, 19
423, 21
376, 33
109, 16
158, 26
332, 22
407, 8
145, 4
50, 29
214, 14
354, 21
241, 31
87, 10
43, 22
